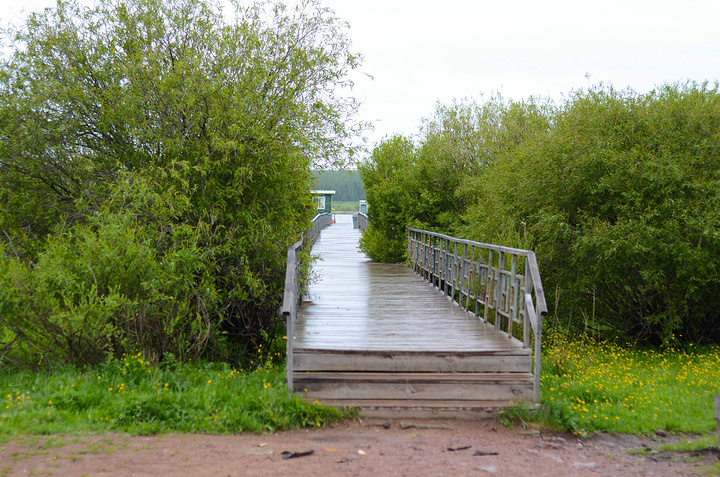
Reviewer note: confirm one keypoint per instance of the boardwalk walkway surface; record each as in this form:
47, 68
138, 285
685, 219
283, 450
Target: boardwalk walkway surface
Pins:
379, 337
356, 304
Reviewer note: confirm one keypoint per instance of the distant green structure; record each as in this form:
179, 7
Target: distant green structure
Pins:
323, 200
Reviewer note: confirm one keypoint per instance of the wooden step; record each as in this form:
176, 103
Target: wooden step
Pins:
399, 409
493, 361
416, 386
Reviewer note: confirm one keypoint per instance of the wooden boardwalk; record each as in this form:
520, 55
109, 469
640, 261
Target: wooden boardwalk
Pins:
377, 336
357, 304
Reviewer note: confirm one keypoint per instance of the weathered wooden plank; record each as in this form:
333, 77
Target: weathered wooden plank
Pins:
422, 386
498, 361
369, 346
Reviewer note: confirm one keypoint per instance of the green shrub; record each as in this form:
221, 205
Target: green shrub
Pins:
619, 199
391, 197
113, 285
155, 164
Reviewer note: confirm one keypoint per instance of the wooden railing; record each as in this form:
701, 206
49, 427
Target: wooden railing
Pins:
499, 285
318, 223
362, 222
293, 285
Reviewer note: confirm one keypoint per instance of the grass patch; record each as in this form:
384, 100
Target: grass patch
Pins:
345, 207
689, 445
590, 386
131, 396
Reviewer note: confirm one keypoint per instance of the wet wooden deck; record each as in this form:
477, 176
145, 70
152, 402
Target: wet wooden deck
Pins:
359, 305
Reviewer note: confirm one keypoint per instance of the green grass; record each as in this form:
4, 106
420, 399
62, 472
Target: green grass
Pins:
345, 207
132, 396
590, 386
690, 445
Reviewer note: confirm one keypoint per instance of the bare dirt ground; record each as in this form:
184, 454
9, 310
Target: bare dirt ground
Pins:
359, 448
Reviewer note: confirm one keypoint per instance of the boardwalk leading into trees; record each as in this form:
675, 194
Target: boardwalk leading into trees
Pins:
357, 304
379, 337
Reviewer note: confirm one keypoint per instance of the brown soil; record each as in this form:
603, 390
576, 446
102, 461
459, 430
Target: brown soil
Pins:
374, 448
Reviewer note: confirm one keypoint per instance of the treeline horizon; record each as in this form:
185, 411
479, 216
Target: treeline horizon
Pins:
347, 184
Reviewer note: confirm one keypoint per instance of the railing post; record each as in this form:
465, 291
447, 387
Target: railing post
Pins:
512, 295
408, 247
488, 287
434, 259
446, 267
538, 350
526, 316
464, 278
500, 288
290, 304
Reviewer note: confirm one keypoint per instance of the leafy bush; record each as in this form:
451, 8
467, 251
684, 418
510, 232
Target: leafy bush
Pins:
156, 163
388, 187
434, 184
619, 199
616, 192
113, 285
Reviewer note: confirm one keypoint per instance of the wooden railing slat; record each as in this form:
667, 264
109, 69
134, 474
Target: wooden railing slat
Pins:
514, 298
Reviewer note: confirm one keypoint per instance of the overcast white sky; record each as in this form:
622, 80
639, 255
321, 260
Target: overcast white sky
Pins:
423, 51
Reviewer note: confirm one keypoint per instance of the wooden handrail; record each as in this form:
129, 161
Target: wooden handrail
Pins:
293, 287
291, 302
363, 222
487, 280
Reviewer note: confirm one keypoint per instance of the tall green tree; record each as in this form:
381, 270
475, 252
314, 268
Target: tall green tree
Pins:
127, 106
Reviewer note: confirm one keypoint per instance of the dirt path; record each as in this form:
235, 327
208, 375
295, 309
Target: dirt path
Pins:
372, 448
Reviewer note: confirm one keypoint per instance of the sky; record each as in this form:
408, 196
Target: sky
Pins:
419, 52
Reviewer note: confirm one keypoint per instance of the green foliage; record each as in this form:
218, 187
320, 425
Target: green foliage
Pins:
156, 162
130, 395
702, 443
344, 207
346, 184
619, 201
590, 386
434, 184
615, 192
113, 284
387, 179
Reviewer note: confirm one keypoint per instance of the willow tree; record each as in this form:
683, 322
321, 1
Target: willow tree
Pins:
155, 160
